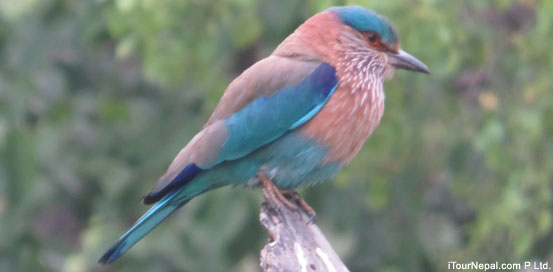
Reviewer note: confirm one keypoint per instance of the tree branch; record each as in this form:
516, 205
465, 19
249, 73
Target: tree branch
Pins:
296, 244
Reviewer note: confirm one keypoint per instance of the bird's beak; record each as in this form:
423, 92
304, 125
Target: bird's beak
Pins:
404, 60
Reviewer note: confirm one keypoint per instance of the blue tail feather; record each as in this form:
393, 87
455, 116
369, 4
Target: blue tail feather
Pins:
143, 226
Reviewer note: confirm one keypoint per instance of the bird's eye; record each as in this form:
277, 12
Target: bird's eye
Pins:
374, 41
373, 38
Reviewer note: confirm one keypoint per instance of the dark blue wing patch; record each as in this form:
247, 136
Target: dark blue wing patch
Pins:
185, 176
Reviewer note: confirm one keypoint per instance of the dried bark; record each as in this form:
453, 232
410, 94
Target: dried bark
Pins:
296, 243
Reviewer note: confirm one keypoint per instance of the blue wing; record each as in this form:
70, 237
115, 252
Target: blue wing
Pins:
268, 118
260, 122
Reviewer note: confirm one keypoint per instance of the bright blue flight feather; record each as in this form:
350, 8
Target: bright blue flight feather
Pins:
143, 226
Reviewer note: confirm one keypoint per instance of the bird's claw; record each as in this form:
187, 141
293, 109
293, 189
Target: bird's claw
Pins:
288, 198
301, 204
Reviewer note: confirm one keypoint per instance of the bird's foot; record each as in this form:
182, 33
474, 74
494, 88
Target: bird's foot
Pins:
296, 198
272, 194
290, 199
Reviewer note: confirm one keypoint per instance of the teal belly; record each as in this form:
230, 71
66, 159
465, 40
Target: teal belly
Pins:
291, 161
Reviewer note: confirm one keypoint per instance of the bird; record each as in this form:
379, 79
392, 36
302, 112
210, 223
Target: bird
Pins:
294, 118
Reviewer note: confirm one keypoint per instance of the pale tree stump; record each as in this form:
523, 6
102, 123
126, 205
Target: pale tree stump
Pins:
296, 244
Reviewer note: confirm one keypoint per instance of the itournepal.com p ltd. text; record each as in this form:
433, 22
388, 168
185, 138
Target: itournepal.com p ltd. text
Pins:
535, 265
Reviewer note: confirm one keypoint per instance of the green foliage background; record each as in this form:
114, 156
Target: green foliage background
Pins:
96, 97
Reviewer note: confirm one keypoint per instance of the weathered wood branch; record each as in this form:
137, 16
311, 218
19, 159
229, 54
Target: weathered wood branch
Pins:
296, 244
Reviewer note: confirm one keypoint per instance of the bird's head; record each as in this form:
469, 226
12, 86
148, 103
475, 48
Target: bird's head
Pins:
352, 35
367, 32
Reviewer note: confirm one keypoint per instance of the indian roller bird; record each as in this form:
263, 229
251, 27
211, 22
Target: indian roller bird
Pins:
294, 118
